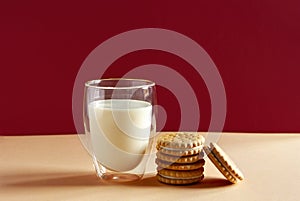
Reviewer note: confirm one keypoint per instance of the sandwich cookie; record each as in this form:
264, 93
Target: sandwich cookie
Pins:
223, 163
180, 177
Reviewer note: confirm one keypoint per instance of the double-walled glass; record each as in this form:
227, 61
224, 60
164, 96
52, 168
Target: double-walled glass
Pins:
119, 119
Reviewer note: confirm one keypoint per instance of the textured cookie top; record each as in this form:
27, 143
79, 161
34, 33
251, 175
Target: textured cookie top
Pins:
180, 140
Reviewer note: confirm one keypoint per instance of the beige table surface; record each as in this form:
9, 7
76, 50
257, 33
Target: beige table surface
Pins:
57, 167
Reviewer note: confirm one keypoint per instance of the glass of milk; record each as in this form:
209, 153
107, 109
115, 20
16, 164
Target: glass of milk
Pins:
119, 120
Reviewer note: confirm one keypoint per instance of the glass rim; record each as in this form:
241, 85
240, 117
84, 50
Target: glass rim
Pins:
144, 83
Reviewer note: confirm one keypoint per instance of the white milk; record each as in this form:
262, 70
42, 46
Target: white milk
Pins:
120, 131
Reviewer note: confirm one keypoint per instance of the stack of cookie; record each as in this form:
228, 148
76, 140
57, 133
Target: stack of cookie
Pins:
180, 158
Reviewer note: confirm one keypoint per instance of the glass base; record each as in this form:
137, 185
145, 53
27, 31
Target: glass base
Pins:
119, 177
109, 176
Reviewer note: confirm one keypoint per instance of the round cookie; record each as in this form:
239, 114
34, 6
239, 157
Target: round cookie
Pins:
223, 163
180, 140
180, 143
179, 166
181, 152
189, 174
174, 181
177, 159
226, 161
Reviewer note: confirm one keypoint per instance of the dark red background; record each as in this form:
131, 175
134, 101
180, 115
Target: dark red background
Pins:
254, 43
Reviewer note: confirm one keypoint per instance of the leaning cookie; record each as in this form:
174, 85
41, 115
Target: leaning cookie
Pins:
223, 163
